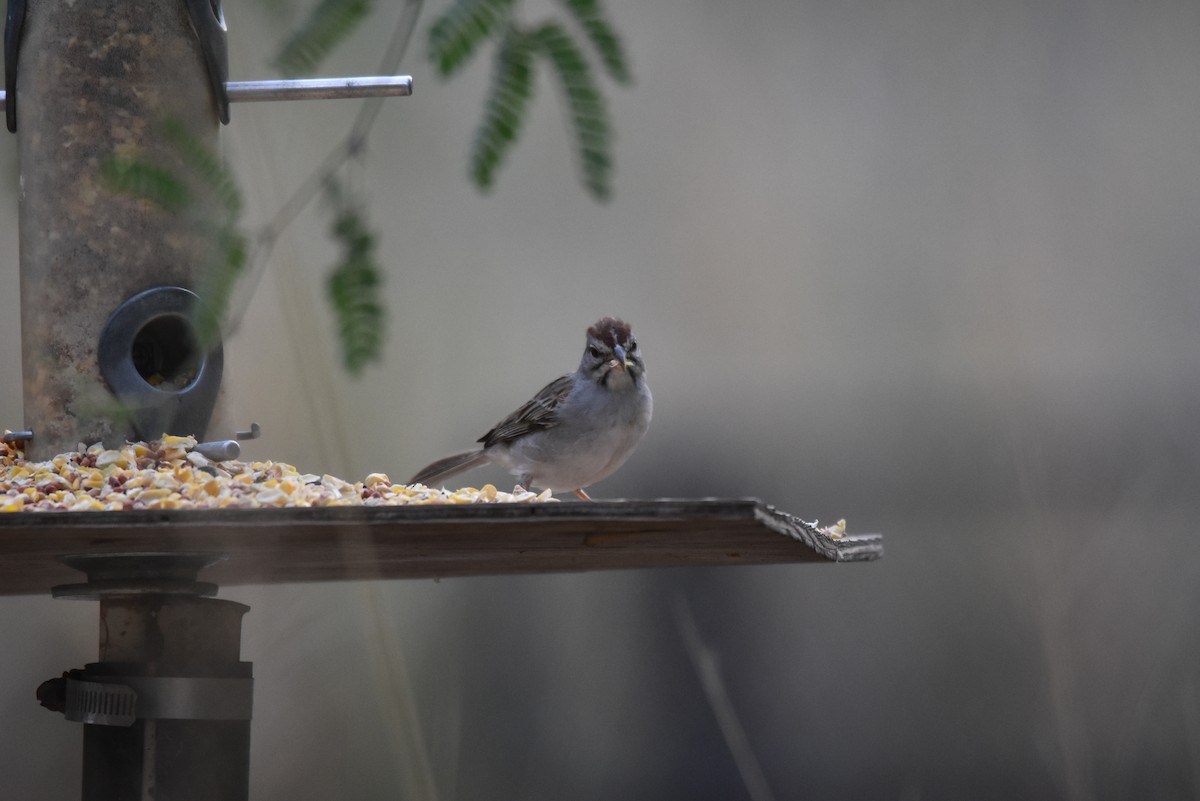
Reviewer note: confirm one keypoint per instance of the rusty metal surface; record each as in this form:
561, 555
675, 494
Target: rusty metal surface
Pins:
96, 81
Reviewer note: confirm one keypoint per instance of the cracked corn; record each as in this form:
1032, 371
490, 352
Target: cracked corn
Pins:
168, 474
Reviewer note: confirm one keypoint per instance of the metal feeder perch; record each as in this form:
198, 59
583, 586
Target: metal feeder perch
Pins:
108, 304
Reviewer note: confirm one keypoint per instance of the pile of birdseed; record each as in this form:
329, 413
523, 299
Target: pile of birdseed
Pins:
168, 474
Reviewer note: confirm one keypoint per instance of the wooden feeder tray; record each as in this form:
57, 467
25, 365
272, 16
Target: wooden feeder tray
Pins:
390, 542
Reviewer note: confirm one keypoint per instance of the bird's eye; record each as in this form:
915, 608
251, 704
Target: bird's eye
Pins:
633, 344
593, 351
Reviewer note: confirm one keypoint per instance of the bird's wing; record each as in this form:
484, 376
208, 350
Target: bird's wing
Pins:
538, 413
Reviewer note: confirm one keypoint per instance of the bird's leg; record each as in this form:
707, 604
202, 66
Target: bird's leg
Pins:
583, 496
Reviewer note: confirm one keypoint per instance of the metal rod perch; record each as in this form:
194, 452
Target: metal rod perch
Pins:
310, 89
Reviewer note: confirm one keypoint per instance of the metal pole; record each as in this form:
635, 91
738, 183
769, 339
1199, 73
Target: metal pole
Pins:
166, 710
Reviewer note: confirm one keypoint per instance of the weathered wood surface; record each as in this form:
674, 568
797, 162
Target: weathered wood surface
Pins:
352, 543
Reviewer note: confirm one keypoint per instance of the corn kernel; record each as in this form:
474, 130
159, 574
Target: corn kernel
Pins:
106, 458
272, 496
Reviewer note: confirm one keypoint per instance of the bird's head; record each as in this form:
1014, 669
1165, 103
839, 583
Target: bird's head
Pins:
611, 356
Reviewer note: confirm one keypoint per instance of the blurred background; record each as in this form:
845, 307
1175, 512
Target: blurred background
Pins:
928, 266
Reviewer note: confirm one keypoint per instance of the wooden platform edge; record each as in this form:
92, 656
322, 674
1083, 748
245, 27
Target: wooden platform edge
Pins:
849, 548
291, 545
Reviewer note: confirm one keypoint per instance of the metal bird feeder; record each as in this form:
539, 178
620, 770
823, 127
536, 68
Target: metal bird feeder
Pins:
108, 281
109, 307
110, 296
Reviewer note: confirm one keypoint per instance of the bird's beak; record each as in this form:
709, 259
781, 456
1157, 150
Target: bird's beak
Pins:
621, 361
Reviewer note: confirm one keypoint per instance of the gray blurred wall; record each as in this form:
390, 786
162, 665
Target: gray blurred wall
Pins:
928, 266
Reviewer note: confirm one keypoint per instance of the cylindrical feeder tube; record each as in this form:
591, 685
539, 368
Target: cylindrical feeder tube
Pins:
100, 82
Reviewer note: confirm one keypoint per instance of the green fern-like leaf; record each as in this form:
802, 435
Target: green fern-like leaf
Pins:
590, 16
230, 250
229, 261
353, 289
329, 22
456, 34
589, 114
145, 181
504, 111
207, 166
176, 190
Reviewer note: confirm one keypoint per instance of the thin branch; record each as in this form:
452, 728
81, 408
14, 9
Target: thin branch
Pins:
704, 660
350, 147
1191, 730
394, 693
353, 144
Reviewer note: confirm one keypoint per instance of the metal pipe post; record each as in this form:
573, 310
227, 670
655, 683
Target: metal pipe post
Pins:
167, 708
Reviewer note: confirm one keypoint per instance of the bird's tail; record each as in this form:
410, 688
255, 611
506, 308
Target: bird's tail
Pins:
449, 466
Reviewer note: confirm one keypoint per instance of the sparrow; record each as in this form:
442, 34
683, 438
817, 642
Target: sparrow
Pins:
577, 430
